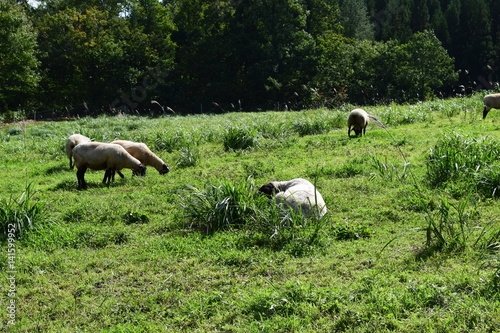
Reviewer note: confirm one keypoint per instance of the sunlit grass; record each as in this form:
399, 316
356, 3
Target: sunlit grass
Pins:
198, 250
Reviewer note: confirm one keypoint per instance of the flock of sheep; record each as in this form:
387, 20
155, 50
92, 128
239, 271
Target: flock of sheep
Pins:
299, 193
111, 157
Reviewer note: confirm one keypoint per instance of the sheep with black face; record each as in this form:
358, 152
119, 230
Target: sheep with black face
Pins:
299, 194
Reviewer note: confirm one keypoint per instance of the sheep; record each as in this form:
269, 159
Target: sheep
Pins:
490, 102
71, 142
143, 154
100, 156
299, 194
358, 120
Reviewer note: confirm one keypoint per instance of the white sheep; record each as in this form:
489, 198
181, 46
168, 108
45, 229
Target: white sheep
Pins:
299, 194
490, 102
143, 154
71, 142
358, 120
103, 156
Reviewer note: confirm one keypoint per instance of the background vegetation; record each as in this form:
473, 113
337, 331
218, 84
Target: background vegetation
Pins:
410, 243
67, 58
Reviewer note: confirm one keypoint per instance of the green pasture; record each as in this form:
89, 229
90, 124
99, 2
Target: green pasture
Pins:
410, 242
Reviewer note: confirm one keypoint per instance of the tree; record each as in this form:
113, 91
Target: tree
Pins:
423, 66
19, 74
354, 19
396, 23
97, 60
476, 50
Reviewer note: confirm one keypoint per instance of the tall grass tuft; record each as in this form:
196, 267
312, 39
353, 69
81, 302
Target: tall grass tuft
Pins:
239, 206
189, 157
388, 171
310, 127
488, 181
218, 207
460, 157
169, 143
452, 227
21, 215
239, 138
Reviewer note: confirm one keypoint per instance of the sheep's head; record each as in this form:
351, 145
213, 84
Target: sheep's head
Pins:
141, 171
269, 189
164, 169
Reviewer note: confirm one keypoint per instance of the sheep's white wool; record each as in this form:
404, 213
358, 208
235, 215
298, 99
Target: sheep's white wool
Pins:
301, 195
71, 142
358, 120
140, 151
491, 102
100, 156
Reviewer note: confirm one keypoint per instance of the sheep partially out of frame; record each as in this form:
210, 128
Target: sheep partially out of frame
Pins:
299, 194
490, 102
72, 142
103, 156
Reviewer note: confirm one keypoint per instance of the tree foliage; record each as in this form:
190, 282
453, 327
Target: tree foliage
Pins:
210, 55
19, 73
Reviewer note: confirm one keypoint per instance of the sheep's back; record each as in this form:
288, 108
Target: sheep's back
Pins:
358, 118
492, 100
98, 155
138, 150
74, 140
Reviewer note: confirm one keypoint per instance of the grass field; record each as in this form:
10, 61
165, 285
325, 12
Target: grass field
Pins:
410, 242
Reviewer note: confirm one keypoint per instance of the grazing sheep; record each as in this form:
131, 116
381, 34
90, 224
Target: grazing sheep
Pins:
71, 142
143, 154
100, 156
299, 194
358, 120
491, 102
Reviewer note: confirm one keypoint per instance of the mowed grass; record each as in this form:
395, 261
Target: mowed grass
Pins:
397, 251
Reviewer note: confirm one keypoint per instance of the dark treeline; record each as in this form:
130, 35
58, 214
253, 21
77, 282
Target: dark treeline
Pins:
69, 57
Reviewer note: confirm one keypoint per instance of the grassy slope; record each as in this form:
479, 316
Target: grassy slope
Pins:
92, 271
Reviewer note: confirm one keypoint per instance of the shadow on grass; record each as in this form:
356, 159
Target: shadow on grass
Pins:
72, 185
56, 169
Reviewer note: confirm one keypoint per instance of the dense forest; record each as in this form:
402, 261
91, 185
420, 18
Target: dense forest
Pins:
69, 57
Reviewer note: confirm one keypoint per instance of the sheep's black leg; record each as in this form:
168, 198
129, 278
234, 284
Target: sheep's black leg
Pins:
108, 176
485, 111
80, 175
120, 174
